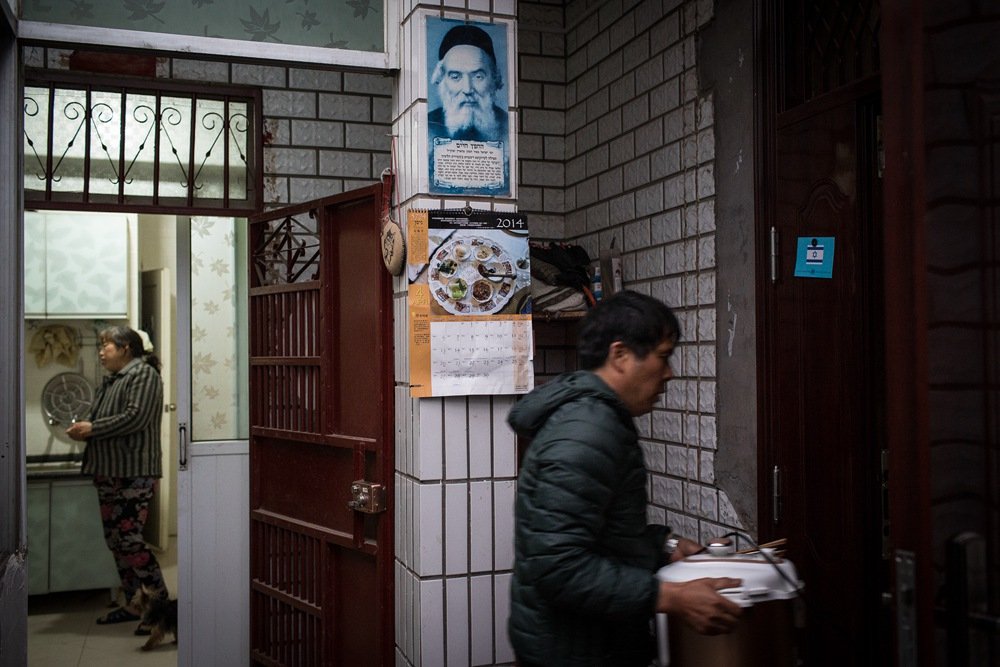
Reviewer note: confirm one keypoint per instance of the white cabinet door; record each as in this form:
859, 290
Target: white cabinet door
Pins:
38, 538
76, 265
78, 557
75, 284
34, 264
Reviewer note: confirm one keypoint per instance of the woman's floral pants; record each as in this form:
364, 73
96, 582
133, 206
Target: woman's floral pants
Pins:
124, 507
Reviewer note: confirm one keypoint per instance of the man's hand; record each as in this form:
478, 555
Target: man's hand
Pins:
698, 604
79, 430
685, 548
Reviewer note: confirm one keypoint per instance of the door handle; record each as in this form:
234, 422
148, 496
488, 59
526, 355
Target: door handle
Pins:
182, 449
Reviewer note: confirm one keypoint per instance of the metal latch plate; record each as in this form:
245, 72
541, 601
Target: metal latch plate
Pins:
367, 497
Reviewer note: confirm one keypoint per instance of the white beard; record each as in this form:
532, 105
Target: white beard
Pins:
459, 117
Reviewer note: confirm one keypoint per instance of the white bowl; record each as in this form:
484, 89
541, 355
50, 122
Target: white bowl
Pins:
720, 549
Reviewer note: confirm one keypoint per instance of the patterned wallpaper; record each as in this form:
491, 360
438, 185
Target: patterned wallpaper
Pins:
344, 24
218, 383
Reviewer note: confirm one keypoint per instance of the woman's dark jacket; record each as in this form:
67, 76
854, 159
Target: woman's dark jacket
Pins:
584, 586
125, 424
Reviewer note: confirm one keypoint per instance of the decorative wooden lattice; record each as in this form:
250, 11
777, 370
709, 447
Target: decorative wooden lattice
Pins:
287, 251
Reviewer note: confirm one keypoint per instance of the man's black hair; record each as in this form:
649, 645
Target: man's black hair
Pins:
640, 322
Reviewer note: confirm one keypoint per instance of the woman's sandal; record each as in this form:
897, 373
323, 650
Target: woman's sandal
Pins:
119, 615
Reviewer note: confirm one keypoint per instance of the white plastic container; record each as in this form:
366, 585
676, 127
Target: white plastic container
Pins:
765, 633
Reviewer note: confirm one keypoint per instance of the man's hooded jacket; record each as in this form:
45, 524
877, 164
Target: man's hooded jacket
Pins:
584, 588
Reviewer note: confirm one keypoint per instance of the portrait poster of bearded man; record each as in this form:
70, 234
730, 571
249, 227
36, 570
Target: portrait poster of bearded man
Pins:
467, 121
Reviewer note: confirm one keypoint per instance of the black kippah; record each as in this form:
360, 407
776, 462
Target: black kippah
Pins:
470, 35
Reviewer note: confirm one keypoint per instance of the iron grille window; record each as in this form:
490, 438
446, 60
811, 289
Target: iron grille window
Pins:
146, 146
827, 44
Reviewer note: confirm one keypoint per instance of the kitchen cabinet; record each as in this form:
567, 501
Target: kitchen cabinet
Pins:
38, 538
75, 265
66, 549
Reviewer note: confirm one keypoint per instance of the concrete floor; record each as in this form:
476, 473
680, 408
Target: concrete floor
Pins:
62, 631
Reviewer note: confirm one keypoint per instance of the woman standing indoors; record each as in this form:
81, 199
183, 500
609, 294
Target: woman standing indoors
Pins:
123, 456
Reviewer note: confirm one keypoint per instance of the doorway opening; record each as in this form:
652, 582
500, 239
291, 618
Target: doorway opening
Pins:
138, 264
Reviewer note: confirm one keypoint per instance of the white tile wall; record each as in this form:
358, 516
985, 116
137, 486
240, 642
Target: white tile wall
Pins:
431, 624
406, 606
457, 621
456, 437
428, 441
457, 445
501, 605
33, 56
428, 534
504, 441
481, 513
456, 528
259, 75
503, 525
481, 611
480, 444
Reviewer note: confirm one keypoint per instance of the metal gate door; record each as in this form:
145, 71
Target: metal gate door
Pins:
321, 435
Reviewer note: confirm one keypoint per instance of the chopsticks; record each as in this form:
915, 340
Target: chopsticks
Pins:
767, 545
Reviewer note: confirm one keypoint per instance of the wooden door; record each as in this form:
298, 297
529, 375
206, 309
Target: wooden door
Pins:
823, 432
321, 415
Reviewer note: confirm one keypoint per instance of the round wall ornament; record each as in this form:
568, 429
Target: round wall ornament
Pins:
393, 247
393, 244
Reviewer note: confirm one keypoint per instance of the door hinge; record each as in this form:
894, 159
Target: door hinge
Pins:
774, 255
884, 496
906, 609
776, 494
879, 146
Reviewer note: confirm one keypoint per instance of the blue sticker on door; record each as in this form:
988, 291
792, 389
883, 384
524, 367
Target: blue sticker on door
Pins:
814, 257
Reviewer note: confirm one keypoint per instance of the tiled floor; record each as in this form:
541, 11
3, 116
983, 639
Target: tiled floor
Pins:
62, 631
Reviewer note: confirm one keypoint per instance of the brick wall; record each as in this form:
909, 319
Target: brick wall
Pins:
541, 46
618, 146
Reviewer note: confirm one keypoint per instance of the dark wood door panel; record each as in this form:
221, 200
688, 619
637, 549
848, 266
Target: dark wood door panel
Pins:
288, 472
820, 413
354, 607
354, 311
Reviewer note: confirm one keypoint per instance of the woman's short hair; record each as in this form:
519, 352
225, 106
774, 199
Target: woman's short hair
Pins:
128, 338
640, 322
124, 337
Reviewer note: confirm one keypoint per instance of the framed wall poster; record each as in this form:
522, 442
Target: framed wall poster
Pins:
468, 134
470, 303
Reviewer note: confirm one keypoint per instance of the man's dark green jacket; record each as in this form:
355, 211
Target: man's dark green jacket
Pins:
584, 586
